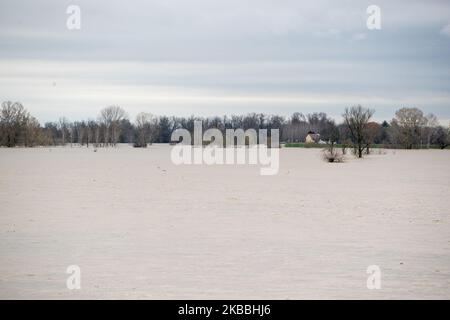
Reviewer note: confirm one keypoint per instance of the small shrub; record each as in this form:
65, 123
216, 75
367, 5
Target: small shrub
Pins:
332, 155
140, 145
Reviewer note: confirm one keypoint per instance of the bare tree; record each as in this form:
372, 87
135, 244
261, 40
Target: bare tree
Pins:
13, 119
111, 117
356, 119
63, 126
91, 132
441, 137
373, 130
97, 130
431, 125
296, 128
71, 129
80, 132
145, 129
406, 127
32, 132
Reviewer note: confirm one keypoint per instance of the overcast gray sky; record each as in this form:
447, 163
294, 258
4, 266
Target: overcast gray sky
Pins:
214, 57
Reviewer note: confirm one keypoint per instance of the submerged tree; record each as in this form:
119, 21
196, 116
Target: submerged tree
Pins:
373, 130
356, 118
406, 127
110, 117
145, 125
13, 123
441, 137
431, 125
331, 134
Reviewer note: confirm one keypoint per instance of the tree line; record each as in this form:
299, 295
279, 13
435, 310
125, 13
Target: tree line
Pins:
409, 128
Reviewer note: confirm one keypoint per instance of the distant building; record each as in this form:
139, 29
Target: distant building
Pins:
312, 137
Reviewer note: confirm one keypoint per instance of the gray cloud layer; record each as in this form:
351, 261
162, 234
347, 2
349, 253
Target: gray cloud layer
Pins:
215, 57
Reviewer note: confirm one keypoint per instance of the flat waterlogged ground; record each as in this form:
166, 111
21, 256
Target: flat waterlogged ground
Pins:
140, 227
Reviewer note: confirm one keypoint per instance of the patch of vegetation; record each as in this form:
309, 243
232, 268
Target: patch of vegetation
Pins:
321, 146
332, 155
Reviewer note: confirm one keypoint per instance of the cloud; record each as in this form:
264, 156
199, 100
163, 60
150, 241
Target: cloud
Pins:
79, 89
359, 36
169, 56
446, 30
328, 33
